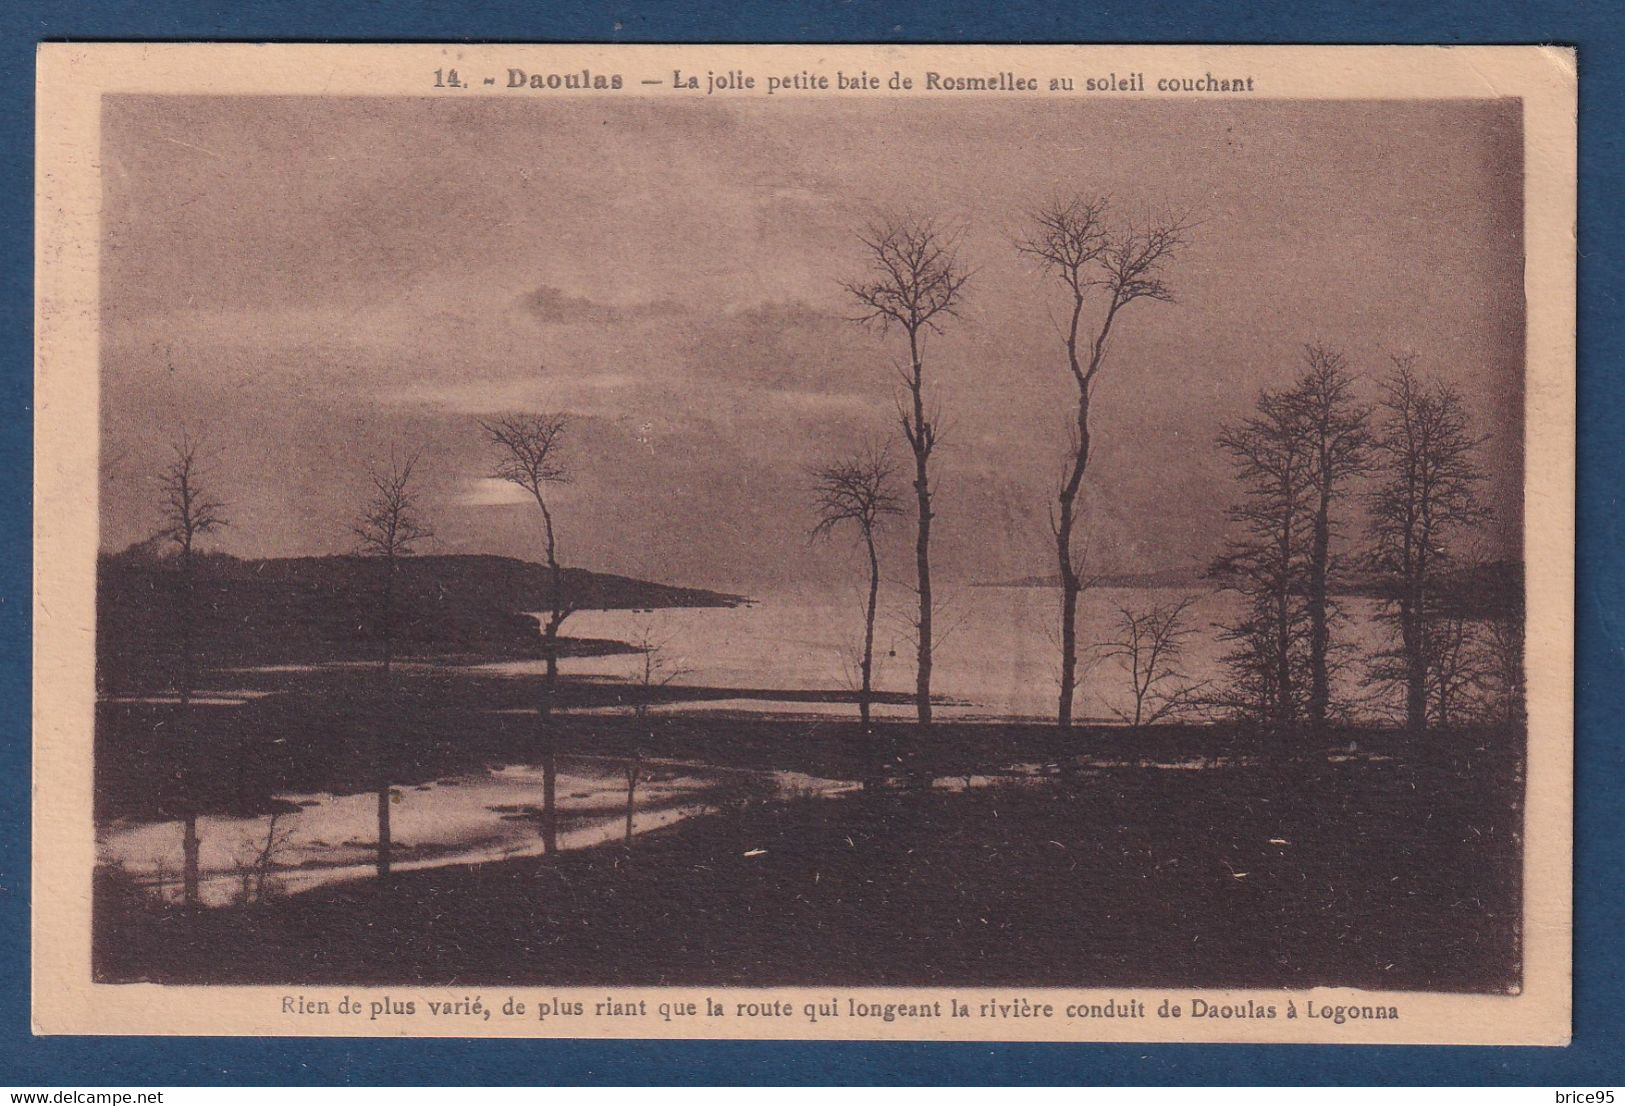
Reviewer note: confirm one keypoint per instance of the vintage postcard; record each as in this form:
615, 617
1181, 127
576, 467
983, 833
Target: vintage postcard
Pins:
975, 543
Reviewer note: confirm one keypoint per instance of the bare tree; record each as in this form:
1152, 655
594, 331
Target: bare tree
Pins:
1455, 672
1112, 266
1338, 438
857, 490
1474, 639
529, 447
1504, 665
656, 670
1149, 644
189, 512
634, 776
1425, 453
914, 282
160, 881
256, 869
1474, 667
1264, 560
390, 528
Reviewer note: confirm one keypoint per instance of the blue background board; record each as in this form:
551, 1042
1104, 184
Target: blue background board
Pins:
1599, 993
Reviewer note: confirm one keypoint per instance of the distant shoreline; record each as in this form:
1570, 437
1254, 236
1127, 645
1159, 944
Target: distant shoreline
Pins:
314, 609
1161, 578
1476, 590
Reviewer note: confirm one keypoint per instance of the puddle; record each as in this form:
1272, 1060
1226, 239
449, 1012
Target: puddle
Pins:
475, 818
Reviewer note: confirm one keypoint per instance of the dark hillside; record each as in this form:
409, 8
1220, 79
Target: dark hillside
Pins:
1493, 589
307, 609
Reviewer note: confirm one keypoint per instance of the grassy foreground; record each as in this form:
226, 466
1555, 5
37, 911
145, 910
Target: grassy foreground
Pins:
1400, 874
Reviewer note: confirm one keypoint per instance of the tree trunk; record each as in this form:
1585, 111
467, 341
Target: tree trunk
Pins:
550, 758
1319, 633
1283, 657
383, 734
550, 786
1069, 638
550, 655
189, 854
550, 636
921, 444
1285, 706
547, 741
631, 799
922, 682
1412, 640
1071, 585
185, 745
866, 693
549, 738
383, 832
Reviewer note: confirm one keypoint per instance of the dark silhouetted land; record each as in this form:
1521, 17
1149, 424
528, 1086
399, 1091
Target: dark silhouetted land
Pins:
313, 609
1391, 874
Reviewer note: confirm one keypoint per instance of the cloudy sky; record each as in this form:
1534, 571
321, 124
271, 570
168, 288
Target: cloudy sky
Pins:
305, 281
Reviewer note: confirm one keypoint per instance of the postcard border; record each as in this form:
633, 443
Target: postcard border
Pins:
1590, 458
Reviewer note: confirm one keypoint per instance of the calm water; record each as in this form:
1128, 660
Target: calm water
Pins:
997, 649
475, 818
996, 657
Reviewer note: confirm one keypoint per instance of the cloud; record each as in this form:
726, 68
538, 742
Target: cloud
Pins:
786, 346
549, 305
601, 394
488, 491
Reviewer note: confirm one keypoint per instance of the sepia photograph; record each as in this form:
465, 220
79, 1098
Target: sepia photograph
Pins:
961, 553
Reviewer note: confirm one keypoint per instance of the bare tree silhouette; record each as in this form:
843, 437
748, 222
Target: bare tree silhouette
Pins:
1337, 434
914, 282
656, 670
1074, 241
1504, 665
528, 448
390, 527
1425, 454
857, 490
1150, 643
256, 869
189, 512
1473, 634
1265, 560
